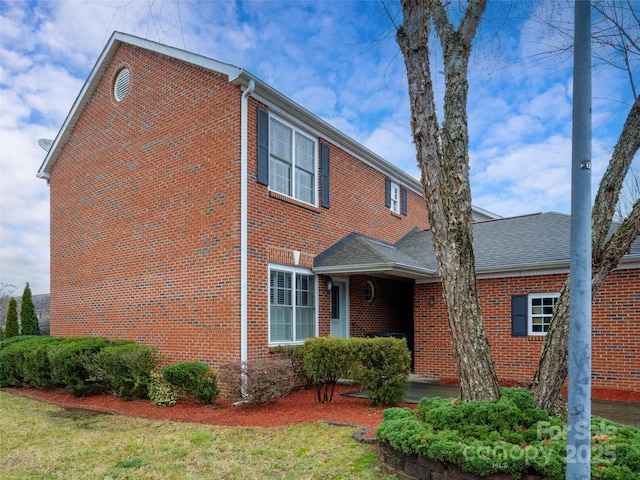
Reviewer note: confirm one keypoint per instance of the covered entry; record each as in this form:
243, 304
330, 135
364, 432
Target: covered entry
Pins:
371, 288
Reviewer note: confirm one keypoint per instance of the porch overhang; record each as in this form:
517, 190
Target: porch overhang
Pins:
388, 270
360, 255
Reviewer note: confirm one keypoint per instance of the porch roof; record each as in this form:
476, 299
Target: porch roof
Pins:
506, 246
357, 253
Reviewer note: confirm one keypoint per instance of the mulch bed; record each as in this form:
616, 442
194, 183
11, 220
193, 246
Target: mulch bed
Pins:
298, 407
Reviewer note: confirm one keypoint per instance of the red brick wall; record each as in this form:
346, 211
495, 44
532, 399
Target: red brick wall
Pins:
279, 224
389, 311
615, 344
143, 199
145, 215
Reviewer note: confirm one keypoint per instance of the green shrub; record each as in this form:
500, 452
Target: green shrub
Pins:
1, 334
326, 360
161, 392
23, 361
36, 367
125, 369
382, 367
508, 435
265, 379
194, 378
28, 317
71, 361
11, 326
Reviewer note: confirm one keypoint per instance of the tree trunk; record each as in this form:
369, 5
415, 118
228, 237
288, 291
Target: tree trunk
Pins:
442, 155
606, 255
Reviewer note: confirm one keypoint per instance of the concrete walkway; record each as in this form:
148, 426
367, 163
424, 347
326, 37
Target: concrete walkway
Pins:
626, 413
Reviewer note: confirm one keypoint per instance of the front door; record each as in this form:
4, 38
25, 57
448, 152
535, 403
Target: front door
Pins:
339, 320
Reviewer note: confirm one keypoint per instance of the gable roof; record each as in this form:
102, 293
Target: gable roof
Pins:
360, 254
241, 78
236, 76
505, 246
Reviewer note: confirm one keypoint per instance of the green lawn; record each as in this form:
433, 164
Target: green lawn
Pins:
40, 441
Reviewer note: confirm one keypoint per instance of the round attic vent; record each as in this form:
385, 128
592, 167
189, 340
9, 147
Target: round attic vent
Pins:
121, 87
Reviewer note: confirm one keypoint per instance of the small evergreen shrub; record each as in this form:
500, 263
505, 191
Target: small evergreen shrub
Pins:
71, 362
125, 369
161, 392
23, 361
194, 378
382, 367
12, 326
1, 334
507, 435
36, 366
326, 360
28, 317
265, 379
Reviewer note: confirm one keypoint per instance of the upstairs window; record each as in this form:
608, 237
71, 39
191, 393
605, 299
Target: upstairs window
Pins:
292, 162
395, 197
288, 161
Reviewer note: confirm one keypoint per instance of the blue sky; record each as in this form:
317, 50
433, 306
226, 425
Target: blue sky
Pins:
339, 59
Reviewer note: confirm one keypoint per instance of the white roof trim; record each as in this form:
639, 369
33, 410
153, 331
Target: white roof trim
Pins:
237, 76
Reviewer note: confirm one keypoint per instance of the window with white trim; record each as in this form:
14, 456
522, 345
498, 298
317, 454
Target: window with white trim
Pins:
395, 198
292, 305
292, 162
540, 311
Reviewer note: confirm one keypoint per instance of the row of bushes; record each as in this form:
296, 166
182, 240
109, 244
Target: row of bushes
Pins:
86, 366
83, 366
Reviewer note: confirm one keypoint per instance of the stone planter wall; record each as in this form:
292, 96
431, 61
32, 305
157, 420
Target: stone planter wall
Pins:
417, 467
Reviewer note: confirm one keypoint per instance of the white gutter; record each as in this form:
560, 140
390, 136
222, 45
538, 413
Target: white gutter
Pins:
244, 208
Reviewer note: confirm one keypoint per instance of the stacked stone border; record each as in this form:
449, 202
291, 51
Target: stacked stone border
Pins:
419, 467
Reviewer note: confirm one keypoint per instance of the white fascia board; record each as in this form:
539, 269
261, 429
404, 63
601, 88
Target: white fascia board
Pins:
403, 271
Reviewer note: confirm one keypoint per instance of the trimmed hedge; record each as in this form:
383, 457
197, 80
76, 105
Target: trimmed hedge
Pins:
125, 369
83, 366
194, 378
382, 368
327, 360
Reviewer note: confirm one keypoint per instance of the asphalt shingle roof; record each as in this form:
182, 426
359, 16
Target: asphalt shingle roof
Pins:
540, 240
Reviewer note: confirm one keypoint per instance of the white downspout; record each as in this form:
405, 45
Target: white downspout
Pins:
244, 231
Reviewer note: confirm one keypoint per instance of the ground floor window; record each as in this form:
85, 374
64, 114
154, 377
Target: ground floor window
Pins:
541, 307
292, 304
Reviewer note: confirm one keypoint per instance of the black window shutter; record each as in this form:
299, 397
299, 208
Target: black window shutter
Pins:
519, 316
324, 175
387, 192
263, 147
403, 200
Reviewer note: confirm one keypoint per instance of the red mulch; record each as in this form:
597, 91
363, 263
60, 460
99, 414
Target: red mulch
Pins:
298, 407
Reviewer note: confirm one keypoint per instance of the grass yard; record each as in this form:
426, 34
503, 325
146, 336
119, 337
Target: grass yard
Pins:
41, 441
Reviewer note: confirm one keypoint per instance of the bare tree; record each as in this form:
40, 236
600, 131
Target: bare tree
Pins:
6, 290
629, 195
618, 32
443, 157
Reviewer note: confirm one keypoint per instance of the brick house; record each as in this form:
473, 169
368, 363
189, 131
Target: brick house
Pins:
197, 209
